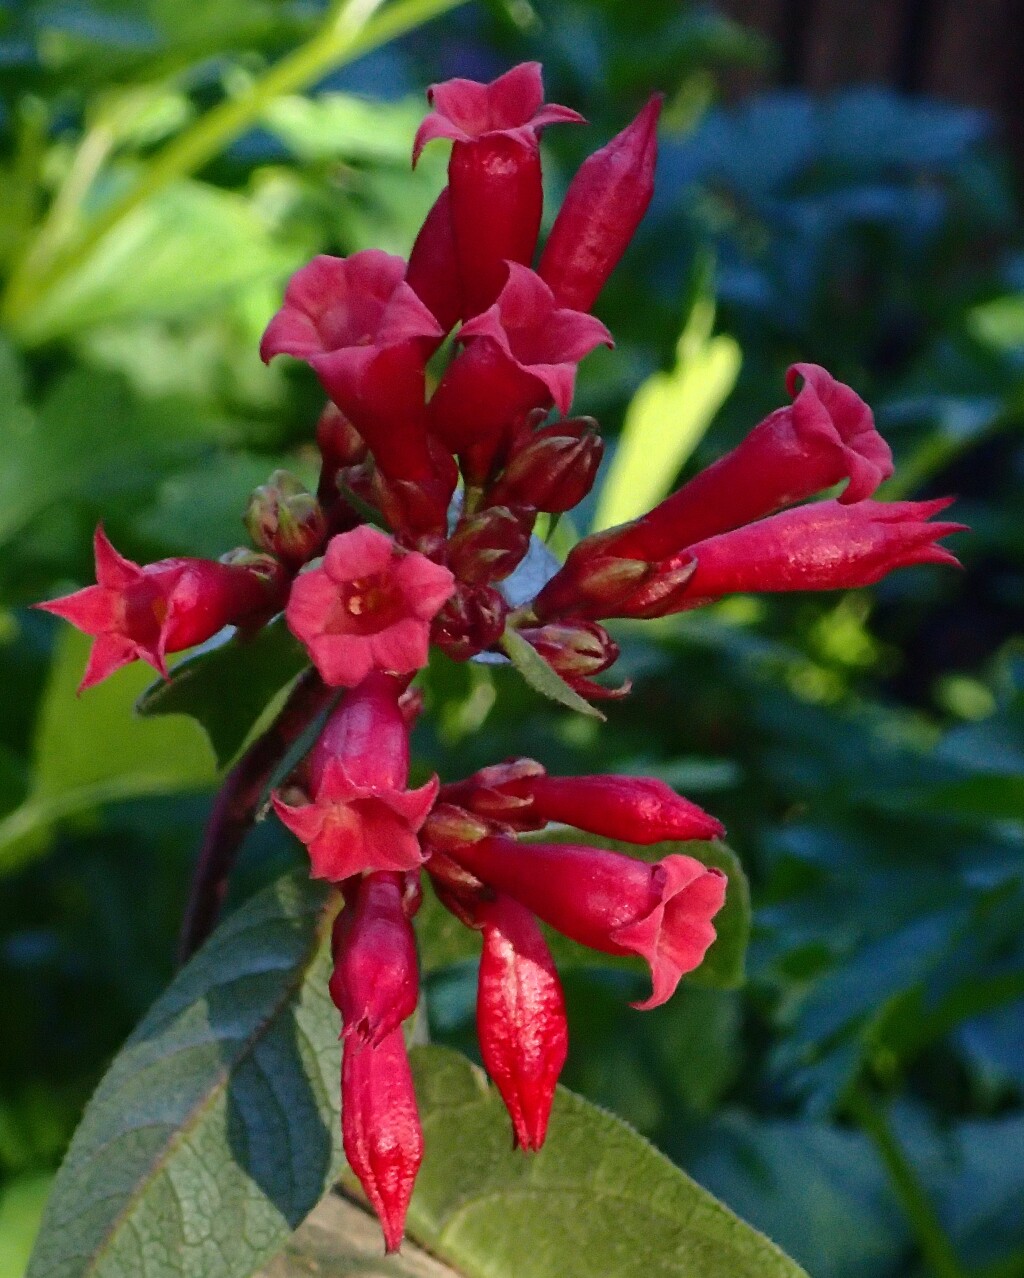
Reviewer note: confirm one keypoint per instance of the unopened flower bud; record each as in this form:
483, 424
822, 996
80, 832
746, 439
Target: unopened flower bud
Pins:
285, 519
473, 619
489, 545
339, 442
554, 469
577, 650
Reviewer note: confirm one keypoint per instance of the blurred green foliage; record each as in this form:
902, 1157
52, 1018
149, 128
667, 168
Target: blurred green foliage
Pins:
164, 168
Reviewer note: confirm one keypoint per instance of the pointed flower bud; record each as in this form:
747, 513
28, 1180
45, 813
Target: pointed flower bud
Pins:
361, 816
380, 1127
825, 436
490, 544
633, 809
366, 335
145, 612
602, 209
553, 470
577, 651
369, 607
473, 619
375, 983
822, 546
520, 1016
494, 172
285, 519
609, 902
433, 271
521, 354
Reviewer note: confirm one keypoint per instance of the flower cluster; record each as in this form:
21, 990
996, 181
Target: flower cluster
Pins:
384, 560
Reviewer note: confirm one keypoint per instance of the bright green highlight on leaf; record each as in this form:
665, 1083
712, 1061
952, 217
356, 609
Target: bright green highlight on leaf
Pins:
668, 418
597, 1200
91, 750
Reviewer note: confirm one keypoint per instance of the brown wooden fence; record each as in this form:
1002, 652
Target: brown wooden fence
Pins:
967, 51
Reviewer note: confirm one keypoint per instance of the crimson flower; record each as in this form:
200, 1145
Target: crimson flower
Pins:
609, 902
368, 607
361, 816
147, 611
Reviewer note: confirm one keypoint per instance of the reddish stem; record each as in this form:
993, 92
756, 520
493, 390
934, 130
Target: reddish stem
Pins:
237, 804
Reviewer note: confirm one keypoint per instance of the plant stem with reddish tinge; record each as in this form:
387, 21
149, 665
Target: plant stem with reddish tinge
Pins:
237, 804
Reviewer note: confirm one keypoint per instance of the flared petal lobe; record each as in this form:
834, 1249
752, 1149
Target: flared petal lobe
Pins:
368, 607
610, 902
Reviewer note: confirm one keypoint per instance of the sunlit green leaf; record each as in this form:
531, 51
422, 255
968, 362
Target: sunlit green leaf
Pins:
540, 676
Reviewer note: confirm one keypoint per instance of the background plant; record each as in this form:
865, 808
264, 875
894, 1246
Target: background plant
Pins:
865, 1084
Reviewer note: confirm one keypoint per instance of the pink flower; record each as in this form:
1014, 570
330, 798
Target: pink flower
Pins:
521, 354
369, 607
600, 214
520, 1015
512, 105
609, 902
494, 176
375, 982
827, 435
361, 816
367, 336
151, 610
380, 1127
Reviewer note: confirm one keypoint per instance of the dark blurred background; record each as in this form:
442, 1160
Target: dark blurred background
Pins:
838, 183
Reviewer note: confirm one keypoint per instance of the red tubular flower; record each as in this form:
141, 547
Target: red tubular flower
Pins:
823, 546
520, 1016
361, 816
366, 334
375, 982
433, 271
825, 436
147, 611
602, 209
634, 809
369, 607
494, 172
609, 902
380, 1127
522, 354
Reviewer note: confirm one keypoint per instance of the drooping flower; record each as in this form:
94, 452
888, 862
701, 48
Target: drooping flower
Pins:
603, 207
148, 611
609, 902
520, 1016
368, 607
494, 176
520, 354
380, 1127
375, 982
360, 816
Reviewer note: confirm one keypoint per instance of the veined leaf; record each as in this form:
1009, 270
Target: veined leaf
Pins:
216, 1130
596, 1200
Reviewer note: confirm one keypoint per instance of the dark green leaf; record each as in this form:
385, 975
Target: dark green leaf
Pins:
541, 678
226, 687
597, 1199
216, 1129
